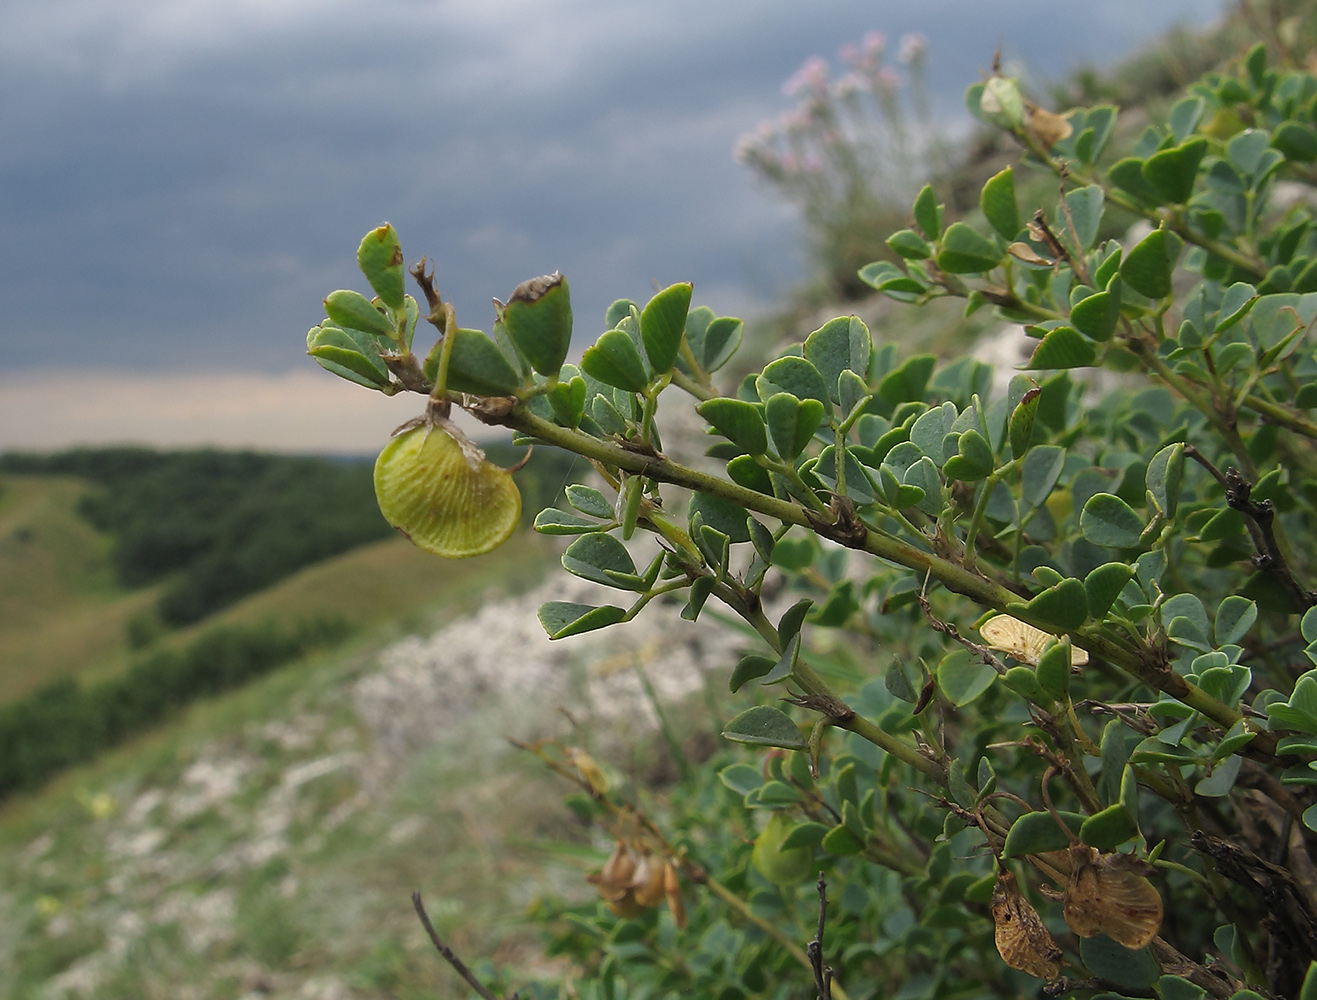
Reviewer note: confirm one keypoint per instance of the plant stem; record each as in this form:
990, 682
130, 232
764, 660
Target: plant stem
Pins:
1145, 664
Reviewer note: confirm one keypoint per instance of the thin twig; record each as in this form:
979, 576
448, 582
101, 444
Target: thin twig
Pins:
1258, 518
458, 965
822, 973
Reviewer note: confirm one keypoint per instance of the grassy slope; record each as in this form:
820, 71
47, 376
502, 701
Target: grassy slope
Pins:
131, 849
62, 609
61, 612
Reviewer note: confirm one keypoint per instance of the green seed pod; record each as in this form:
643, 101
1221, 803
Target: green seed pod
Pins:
442, 494
778, 866
538, 318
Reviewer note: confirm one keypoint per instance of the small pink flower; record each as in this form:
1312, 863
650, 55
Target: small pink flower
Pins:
812, 76
913, 46
874, 43
851, 83
888, 78
849, 54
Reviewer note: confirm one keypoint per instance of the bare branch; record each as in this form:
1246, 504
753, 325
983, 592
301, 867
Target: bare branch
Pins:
458, 965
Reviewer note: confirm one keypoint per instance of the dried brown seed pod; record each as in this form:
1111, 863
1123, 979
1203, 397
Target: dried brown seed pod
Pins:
1110, 894
1023, 941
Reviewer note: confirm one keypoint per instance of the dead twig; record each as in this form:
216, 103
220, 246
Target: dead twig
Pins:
448, 956
822, 973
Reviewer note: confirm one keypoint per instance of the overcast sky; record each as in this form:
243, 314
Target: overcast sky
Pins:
182, 181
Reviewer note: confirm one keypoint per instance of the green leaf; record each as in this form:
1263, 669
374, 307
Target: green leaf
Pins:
1039, 473
1172, 172
380, 258
1108, 960
351, 309
786, 663
962, 678
1148, 267
568, 402
1104, 584
792, 423
615, 361
1297, 140
538, 318
712, 340
1178, 988
1185, 116
741, 778
909, 381
590, 501
796, 376
1109, 521
349, 354
1165, 473
1024, 682
1085, 206
662, 324
1108, 829
745, 471
1037, 833
749, 668
964, 251
1098, 315
1222, 778
740, 422
974, 460
1053, 670
594, 556
700, 589
562, 619
618, 311
1127, 174
928, 213
908, 244
722, 515
1063, 607
1234, 618
997, 200
552, 521
1020, 428
764, 725
804, 835
1236, 303
477, 366
841, 344
841, 843
1308, 625
1309, 989
1063, 347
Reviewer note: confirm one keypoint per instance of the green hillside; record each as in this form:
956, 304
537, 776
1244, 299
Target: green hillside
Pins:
61, 609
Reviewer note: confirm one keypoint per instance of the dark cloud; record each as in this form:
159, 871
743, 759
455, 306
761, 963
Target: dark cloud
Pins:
180, 184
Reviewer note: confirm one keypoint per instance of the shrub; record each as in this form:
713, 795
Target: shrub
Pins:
67, 723
1043, 700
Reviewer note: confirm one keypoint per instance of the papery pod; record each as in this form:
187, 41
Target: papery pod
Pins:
443, 495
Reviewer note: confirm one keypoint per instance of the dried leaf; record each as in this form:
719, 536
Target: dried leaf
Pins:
1022, 641
590, 771
1026, 253
1022, 939
672, 890
1110, 894
1047, 127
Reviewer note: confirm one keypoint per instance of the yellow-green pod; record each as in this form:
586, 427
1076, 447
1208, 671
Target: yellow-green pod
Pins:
446, 498
781, 867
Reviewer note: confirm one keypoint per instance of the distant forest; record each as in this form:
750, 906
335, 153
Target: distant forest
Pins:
226, 524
